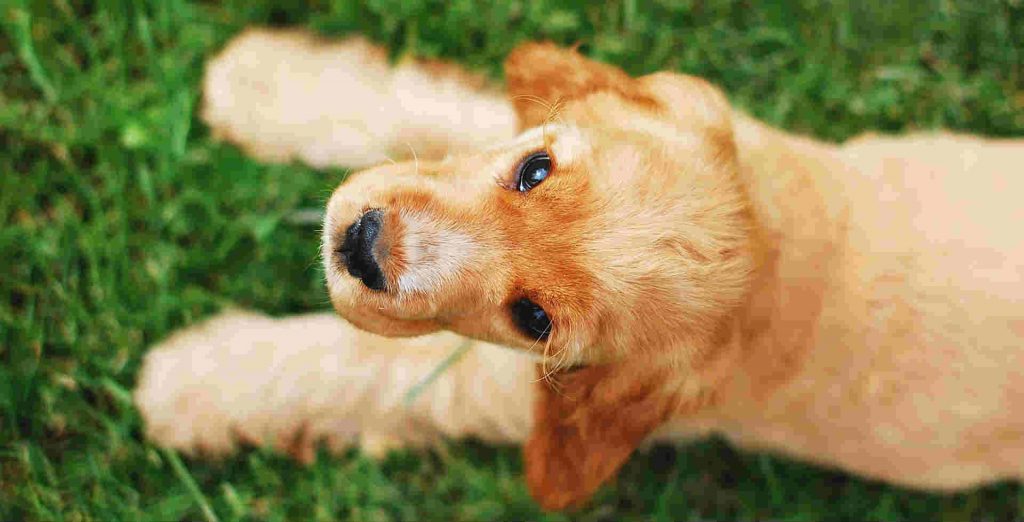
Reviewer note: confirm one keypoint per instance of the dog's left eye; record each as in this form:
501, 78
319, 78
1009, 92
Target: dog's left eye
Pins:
531, 319
534, 169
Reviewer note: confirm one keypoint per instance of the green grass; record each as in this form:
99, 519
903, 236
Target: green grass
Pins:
122, 221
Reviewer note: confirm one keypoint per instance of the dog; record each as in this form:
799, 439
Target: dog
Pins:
627, 260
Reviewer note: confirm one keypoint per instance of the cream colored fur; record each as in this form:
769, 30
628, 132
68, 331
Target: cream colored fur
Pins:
287, 96
909, 251
292, 382
289, 383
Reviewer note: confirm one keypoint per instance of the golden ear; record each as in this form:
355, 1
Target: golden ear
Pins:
539, 76
586, 424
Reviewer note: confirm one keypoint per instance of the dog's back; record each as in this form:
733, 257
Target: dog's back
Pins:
918, 353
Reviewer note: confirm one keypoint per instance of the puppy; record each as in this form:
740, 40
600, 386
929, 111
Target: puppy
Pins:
661, 265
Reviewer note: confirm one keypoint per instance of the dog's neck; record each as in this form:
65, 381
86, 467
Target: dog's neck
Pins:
799, 215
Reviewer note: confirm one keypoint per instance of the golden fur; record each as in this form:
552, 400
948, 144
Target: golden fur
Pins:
860, 306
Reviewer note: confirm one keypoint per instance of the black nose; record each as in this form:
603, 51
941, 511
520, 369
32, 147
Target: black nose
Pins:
357, 250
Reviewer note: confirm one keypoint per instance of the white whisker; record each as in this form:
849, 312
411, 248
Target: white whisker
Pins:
415, 158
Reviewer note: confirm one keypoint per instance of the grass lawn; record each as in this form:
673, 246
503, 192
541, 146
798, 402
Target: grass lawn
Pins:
122, 221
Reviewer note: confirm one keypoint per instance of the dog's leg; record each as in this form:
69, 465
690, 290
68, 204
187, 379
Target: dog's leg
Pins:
283, 95
292, 382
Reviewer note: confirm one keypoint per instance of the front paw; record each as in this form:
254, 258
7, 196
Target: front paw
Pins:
208, 387
178, 408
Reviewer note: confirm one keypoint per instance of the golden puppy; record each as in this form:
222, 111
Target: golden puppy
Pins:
674, 267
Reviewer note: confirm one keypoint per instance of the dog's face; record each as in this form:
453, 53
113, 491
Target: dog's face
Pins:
612, 232
609, 227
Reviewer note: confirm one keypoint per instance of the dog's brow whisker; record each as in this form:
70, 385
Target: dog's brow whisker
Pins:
557, 361
415, 159
537, 340
554, 110
535, 99
544, 357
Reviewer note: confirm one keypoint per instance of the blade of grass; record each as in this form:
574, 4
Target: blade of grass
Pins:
21, 24
417, 389
186, 478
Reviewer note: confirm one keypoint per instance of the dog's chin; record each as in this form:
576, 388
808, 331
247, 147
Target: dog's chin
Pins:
366, 315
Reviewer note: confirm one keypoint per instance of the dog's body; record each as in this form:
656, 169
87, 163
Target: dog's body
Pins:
882, 329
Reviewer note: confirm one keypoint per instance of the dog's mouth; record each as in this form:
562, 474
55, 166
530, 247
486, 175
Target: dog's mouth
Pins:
356, 251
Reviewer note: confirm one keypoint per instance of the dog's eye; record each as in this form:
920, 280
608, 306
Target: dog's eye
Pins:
531, 319
534, 169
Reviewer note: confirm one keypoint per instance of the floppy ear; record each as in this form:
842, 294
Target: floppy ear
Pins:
586, 425
541, 75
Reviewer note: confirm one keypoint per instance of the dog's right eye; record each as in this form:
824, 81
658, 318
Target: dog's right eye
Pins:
531, 319
534, 169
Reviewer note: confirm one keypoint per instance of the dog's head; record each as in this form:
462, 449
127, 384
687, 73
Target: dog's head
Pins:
612, 236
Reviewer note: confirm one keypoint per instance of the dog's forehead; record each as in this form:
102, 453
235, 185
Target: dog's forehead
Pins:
565, 143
